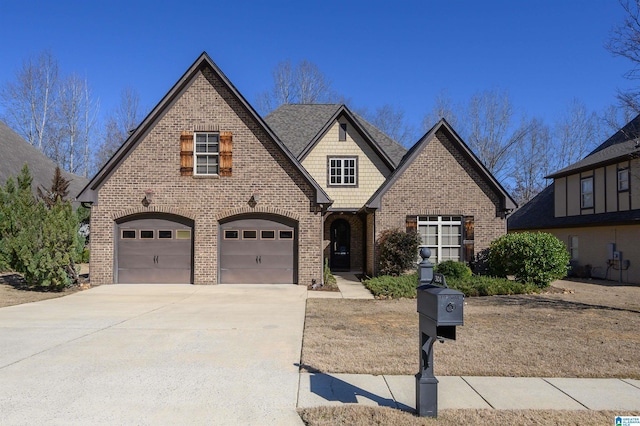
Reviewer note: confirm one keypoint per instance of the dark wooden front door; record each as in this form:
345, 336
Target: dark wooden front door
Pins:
154, 250
340, 245
258, 250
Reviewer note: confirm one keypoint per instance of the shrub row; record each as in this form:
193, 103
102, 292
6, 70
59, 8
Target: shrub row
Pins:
404, 286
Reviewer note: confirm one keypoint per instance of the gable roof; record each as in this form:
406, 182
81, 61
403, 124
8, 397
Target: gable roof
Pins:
16, 152
301, 126
624, 144
89, 193
376, 199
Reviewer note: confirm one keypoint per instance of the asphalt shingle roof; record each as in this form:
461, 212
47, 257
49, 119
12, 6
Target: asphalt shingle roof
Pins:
15, 152
298, 124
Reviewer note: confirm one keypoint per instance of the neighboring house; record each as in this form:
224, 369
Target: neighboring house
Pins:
266, 201
593, 206
15, 152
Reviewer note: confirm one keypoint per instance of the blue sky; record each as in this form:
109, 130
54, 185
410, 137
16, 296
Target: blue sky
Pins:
544, 53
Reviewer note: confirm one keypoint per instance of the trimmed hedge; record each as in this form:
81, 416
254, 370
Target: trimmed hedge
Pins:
404, 286
453, 269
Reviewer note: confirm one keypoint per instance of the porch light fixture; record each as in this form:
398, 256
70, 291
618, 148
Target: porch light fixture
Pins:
148, 197
256, 196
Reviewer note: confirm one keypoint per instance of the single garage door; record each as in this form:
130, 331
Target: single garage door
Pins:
155, 249
258, 250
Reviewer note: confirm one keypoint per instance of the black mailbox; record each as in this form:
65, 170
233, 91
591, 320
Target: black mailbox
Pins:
442, 305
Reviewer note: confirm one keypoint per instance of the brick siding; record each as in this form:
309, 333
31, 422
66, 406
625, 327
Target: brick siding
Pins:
154, 163
441, 182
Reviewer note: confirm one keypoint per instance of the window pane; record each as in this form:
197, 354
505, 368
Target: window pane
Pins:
286, 235
183, 234
126, 234
231, 235
249, 235
165, 234
267, 235
146, 234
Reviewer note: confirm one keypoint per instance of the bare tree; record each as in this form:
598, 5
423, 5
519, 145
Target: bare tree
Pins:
303, 83
124, 119
490, 132
531, 156
625, 42
74, 120
391, 120
443, 107
577, 133
28, 102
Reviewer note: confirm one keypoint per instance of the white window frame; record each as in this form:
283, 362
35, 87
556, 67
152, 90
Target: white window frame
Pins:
437, 249
623, 180
574, 247
337, 173
208, 156
586, 192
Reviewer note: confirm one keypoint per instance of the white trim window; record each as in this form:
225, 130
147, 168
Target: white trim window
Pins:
207, 153
443, 235
573, 247
586, 192
623, 180
343, 171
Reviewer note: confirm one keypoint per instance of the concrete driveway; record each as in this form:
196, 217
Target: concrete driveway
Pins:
154, 354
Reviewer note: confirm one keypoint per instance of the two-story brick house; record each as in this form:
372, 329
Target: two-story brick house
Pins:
593, 206
205, 191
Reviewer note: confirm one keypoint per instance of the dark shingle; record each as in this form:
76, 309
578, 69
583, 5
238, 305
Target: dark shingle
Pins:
15, 152
297, 125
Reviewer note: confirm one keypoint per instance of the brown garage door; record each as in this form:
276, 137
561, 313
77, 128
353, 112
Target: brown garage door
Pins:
154, 249
258, 250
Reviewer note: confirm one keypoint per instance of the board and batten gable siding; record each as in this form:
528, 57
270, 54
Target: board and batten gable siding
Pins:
606, 197
372, 171
258, 165
441, 181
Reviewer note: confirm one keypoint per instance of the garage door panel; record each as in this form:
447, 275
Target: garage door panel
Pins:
154, 260
257, 276
153, 276
264, 259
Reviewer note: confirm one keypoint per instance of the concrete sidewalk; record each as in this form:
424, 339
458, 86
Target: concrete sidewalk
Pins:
501, 393
349, 285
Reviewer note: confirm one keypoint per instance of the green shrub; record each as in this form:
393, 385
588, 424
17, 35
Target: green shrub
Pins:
398, 251
453, 269
386, 286
481, 285
329, 281
37, 241
532, 257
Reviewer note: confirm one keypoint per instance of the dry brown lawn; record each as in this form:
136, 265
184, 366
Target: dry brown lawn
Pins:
590, 330
362, 415
13, 290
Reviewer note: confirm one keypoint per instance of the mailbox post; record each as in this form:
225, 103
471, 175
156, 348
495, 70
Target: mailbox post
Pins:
440, 310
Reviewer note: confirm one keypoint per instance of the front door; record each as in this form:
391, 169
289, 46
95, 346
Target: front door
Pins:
340, 245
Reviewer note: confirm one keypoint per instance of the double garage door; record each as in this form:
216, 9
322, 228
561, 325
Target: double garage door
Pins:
252, 249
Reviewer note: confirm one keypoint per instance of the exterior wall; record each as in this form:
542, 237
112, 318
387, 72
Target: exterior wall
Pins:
357, 241
606, 197
371, 169
155, 164
593, 249
442, 182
